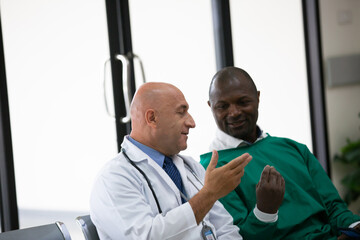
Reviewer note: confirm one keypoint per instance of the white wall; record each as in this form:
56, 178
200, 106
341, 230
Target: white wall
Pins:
340, 22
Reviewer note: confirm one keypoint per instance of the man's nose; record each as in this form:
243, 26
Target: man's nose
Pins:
234, 110
190, 121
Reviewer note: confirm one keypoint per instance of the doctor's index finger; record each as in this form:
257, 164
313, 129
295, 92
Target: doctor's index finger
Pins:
240, 162
214, 159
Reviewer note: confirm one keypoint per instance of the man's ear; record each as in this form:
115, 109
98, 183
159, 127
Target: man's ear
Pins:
258, 96
150, 117
209, 103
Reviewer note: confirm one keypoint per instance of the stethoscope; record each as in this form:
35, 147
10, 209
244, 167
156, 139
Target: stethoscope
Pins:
151, 188
206, 232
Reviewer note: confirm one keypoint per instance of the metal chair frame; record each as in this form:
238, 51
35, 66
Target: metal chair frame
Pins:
53, 231
88, 228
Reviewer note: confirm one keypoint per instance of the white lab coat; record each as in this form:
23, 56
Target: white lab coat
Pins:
123, 207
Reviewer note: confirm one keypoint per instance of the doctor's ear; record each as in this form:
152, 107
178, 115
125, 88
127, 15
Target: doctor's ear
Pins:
150, 117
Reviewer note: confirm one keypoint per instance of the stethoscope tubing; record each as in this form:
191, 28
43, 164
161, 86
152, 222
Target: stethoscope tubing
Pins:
149, 183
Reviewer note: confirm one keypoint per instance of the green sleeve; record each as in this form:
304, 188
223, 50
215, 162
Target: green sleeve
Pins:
337, 211
250, 226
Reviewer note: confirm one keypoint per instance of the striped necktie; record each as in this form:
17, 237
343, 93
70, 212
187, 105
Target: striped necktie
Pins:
171, 170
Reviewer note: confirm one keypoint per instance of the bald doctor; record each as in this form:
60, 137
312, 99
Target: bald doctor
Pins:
136, 196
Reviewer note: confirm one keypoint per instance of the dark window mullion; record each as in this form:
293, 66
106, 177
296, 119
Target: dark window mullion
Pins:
315, 81
222, 33
118, 18
9, 209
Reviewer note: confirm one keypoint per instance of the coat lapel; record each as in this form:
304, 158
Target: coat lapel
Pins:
153, 171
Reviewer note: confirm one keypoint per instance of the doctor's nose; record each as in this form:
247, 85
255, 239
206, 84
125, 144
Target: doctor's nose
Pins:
190, 121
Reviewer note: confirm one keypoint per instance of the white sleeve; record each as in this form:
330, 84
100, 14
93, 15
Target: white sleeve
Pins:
354, 224
223, 223
218, 216
265, 217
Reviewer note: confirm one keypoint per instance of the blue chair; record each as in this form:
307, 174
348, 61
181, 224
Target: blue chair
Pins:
54, 231
88, 228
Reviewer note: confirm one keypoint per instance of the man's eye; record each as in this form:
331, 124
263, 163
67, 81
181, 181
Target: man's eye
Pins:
222, 106
244, 103
181, 112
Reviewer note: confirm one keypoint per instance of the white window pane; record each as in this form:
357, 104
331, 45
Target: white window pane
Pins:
174, 39
268, 41
54, 54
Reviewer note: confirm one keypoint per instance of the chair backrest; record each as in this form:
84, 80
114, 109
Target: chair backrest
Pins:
88, 228
54, 231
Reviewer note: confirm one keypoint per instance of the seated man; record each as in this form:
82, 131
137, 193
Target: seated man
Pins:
149, 191
309, 207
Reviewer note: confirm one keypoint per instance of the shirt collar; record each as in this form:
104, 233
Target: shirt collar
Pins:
225, 141
259, 135
152, 153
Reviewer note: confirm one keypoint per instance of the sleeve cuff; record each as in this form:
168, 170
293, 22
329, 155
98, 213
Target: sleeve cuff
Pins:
265, 217
354, 224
